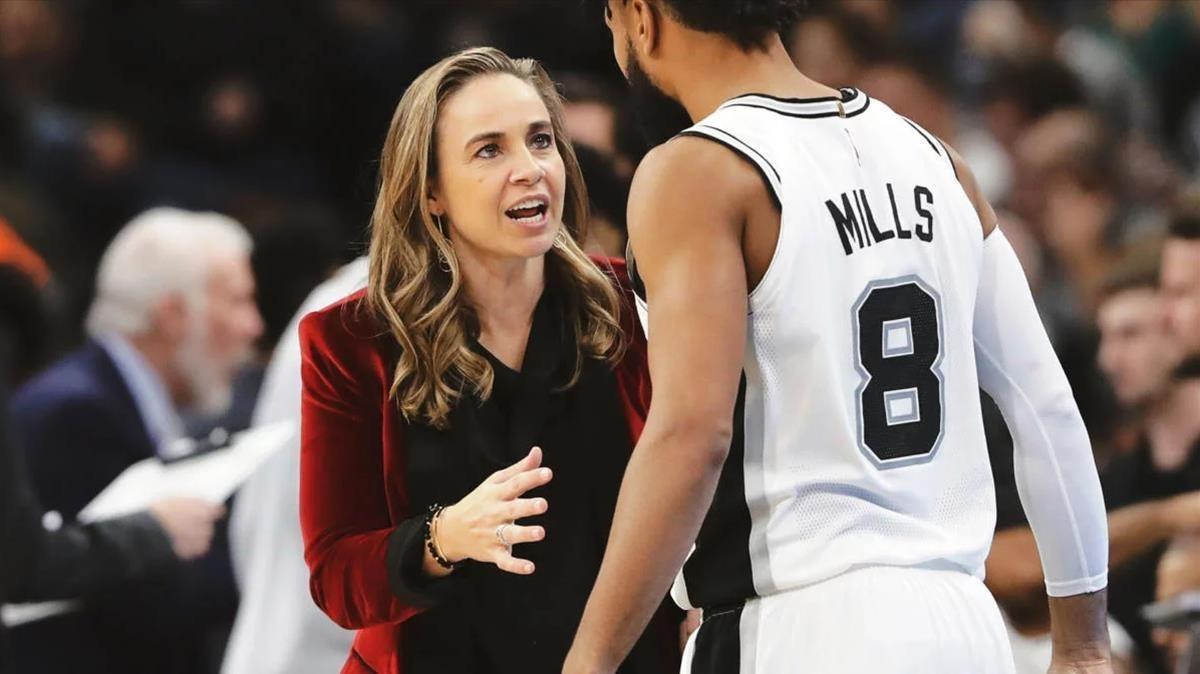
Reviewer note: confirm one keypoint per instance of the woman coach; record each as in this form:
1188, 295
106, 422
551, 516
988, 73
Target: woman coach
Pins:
484, 332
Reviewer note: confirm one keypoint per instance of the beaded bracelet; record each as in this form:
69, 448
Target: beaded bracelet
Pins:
431, 515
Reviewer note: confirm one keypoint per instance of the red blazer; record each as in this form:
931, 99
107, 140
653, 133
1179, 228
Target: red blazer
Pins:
352, 460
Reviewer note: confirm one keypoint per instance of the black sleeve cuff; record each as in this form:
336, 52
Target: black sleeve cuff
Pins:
405, 561
142, 532
81, 560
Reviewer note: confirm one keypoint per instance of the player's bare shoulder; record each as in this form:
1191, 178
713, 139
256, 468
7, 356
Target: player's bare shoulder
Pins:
966, 177
689, 176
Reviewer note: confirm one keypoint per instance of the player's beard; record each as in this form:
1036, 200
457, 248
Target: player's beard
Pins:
659, 116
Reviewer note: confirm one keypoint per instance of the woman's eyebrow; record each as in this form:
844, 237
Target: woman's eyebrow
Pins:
486, 135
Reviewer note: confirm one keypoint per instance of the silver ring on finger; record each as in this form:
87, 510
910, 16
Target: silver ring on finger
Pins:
500, 535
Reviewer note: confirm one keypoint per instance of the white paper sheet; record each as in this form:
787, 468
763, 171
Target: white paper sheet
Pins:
213, 476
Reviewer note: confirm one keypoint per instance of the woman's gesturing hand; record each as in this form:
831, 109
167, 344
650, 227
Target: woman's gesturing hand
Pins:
481, 526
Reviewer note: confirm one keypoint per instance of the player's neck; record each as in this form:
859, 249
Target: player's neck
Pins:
718, 71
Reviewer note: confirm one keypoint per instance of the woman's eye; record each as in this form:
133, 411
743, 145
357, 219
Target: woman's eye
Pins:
543, 141
488, 151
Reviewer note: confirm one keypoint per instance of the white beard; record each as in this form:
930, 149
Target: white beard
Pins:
211, 394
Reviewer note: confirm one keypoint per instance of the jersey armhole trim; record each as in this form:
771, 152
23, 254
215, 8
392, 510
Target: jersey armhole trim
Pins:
949, 158
765, 170
924, 137
935, 143
774, 187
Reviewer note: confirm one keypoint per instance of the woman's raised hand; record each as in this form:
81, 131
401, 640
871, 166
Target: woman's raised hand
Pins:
481, 526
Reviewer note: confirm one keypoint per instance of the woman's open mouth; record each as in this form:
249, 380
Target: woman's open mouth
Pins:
530, 212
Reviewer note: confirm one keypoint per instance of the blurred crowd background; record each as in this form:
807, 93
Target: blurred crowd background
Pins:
1081, 119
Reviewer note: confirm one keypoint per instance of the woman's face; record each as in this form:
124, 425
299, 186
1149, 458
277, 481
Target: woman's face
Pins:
501, 179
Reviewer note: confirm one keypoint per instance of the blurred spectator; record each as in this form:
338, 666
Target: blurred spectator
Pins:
591, 112
1017, 94
1181, 274
34, 47
173, 319
1156, 36
1136, 354
1067, 192
1178, 572
1029, 35
1111, 81
880, 15
915, 92
279, 630
71, 562
1007, 31
1070, 194
596, 118
39, 563
834, 44
1156, 486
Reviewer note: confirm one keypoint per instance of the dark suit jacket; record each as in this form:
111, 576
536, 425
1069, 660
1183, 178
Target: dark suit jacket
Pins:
73, 561
79, 428
353, 494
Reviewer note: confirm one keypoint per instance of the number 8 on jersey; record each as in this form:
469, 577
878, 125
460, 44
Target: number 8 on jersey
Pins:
897, 326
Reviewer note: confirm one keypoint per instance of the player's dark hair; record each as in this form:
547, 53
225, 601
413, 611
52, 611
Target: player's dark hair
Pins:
748, 23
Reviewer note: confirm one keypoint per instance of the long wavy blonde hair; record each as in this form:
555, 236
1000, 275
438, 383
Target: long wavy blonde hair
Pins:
421, 302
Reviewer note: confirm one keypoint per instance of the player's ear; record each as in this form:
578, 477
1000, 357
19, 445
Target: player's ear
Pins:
644, 28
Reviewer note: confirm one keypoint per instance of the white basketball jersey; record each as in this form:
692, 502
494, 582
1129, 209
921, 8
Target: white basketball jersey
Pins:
859, 439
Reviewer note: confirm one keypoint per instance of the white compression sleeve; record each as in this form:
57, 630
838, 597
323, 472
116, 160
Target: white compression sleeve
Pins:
1055, 469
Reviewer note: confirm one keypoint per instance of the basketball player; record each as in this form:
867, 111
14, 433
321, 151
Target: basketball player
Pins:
826, 291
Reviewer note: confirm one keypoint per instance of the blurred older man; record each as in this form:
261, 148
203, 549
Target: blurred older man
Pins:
173, 320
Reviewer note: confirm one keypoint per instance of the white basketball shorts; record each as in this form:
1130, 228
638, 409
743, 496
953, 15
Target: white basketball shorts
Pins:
874, 620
